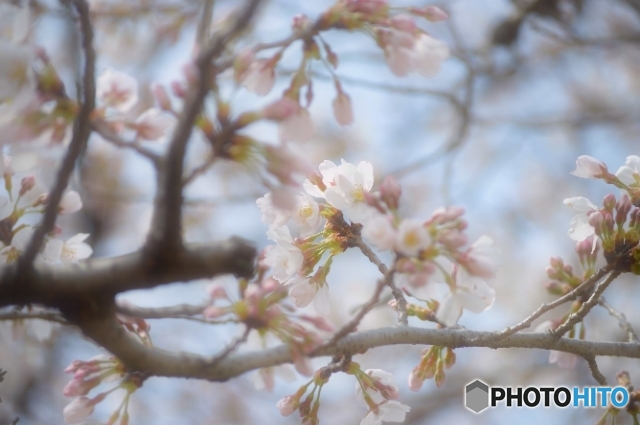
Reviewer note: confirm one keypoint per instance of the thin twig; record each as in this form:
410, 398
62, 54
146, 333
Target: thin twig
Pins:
352, 325
632, 336
112, 137
166, 228
397, 293
584, 286
230, 348
587, 306
81, 132
595, 372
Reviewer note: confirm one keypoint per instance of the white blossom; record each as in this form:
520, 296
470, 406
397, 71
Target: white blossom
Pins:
78, 410
70, 203
629, 173
304, 291
153, 124
346, 187
588, 167
380, 232
259, 77
579, 227
19, 241
412, 237
307, 215
387, 410
285, 258
469, 293
71, 251
297, 127
117, 90
480, 259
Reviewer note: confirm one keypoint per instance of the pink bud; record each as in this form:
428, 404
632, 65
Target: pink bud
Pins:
300, 23
281, 109
390, 192
213, 312
162, 97
342, 109
589, 167
74, 366
178, 89
416, 379
403, 22
431, 13
609, 201
217, 291
27, 184
78, 410
286, 405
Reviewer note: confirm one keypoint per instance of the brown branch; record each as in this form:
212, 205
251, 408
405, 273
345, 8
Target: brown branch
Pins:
157, 362
395, 291
171, 312
81, 133
595, 372
97, 280
583, 287
586, 307
166, 229
112, 137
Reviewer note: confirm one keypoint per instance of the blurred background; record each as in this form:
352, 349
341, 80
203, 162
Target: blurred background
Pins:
530, 86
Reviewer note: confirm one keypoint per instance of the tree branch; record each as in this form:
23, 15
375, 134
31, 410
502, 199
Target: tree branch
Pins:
158, 362
81, 133
166, 228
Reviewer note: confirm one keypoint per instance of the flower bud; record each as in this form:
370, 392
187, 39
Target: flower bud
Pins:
162, 97
609, 202
390, 192
27, 184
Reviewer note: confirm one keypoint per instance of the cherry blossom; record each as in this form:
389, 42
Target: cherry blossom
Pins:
562, 359
117, 90
153, 124
297, 127
307, 215
382, 395
17, 80
78, 410
304, 290
272, 215
19, 242
629, 173
259, 77
480, 258
342, 109
412, 237
380, 232
406, 52
285, 258
71, 251
70, 203
589, 167
467, 292
579, 227
346, 188
287, 405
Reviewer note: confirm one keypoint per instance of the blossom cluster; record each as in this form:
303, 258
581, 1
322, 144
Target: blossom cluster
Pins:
87, 375
426, 251
406, 48
375, 389
615, 225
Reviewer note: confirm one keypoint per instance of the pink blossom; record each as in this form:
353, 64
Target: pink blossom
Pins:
152, 124
78, 386
342, 109
117, 90
286, 405
380, 232
589, 167
70, 203
480, 259
281, 109
78, 410
260, 77
297, 127
412, 237
367, 7
562, 359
